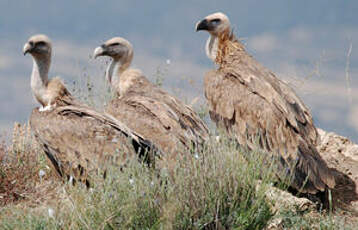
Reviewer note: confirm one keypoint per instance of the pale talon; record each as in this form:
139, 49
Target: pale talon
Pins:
46, 108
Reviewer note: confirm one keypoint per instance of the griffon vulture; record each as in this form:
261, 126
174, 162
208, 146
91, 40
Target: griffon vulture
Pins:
75, 138
249, 102
156, 115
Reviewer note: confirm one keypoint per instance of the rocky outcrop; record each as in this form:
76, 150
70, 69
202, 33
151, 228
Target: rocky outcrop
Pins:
341, 155
337, 146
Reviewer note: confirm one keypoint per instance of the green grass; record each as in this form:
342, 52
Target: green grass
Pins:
215, 189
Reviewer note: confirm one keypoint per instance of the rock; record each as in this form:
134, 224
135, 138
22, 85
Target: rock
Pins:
334, 144
275, 224
281, 199
341, 155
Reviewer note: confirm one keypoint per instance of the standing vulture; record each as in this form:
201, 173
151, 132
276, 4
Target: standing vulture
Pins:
159, 117
75, 138
249, 102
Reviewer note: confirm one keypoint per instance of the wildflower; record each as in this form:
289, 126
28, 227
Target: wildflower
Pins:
196, 156
70, 180
42, 173
115, 140
217, 138
51, 213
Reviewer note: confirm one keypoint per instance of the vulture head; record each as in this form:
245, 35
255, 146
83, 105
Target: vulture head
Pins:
117, 48
215, 24
121, 52
38, 46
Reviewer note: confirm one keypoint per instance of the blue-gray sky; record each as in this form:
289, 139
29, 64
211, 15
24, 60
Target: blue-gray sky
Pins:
304, 42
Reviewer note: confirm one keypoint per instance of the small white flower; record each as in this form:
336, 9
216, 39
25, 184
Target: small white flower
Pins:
217, 138
51, 213
131, 181
114, 140
42, 173
152, 183
70, 180
168, 61
196, 156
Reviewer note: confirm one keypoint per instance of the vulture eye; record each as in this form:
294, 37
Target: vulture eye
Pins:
215, 21
42, 43
114, 44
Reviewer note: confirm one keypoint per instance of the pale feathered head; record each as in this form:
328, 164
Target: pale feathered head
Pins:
215, 24
118, 48
38, 45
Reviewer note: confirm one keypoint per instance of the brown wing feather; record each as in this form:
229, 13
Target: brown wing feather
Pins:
263, 82
249, 101
158, 116
58, 93
137, 112
78, 140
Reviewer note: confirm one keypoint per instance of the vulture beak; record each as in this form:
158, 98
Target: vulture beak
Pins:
99, 51
202, 25
27, 48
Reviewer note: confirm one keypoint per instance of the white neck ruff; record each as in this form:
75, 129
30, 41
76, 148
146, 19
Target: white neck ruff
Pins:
211, 47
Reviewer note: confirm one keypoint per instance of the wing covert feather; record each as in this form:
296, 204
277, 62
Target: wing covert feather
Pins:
263, 82
80, 139
248, 114
158, 116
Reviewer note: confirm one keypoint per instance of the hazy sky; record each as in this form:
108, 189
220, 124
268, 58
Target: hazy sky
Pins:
305, 42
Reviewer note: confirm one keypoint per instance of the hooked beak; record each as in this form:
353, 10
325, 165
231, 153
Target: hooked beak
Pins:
27, 48
202, 25
99, 51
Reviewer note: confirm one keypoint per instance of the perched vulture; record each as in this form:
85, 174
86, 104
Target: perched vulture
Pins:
250, 103
156, 115
76, 139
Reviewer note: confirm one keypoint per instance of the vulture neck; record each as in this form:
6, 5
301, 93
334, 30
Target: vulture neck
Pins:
39, 76
117, 67
211, 47
218, 47
215, 41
